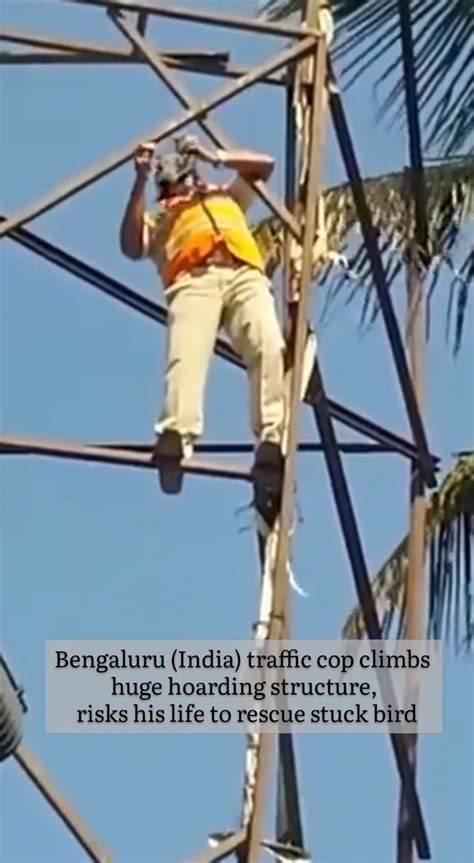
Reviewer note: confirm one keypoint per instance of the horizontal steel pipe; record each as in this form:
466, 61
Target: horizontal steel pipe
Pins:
244, 448
51, 57
19, 445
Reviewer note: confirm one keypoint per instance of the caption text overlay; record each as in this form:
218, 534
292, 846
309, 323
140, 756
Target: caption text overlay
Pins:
234, 686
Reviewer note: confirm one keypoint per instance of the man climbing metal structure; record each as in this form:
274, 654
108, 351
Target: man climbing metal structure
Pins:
213, 275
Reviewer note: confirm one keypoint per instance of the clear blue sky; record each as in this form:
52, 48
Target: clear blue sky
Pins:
98, 552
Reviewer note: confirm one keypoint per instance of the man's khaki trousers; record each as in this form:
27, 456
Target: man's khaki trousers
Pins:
240, 301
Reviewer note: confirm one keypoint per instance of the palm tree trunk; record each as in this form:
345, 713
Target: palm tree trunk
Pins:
415, 590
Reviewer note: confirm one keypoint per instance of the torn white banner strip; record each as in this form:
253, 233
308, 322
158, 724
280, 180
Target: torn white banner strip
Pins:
264, 532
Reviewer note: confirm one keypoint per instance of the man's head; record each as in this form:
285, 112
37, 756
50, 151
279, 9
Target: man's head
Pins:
175, 174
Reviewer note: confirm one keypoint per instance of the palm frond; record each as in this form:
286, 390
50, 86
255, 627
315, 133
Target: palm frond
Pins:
449, 540
344, 266
368, 30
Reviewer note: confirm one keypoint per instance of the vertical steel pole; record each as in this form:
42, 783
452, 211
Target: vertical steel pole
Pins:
280, 595
287, 796
289, 825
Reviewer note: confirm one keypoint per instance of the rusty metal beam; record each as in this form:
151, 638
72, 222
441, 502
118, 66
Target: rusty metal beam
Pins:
120, 157
20, 445
113, 288
70, 58
62, 50
40, 40
217, 137
60, 58
48, 57
51, 57
214, 19
63, 808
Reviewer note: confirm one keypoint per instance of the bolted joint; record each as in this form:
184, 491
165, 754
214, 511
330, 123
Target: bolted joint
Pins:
12, 708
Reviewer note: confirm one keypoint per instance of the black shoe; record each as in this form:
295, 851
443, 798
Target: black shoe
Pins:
168, 455
267, 475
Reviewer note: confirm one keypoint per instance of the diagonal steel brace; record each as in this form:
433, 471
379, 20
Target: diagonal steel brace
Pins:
380, 281
156, 63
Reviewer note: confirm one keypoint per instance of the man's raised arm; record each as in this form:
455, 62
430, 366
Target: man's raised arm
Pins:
132, 227
250, 167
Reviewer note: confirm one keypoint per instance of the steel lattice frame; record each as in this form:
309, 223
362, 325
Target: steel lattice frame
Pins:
130, 18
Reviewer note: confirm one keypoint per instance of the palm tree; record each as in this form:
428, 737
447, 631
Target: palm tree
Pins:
447, 555
368, 30
449, 540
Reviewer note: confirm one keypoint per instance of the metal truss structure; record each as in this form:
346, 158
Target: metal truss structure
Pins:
309, 52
